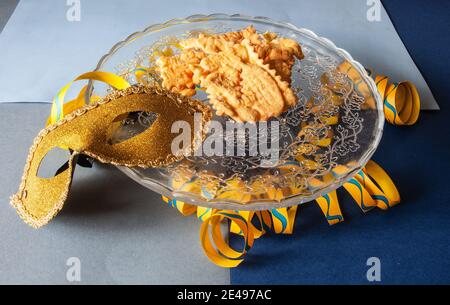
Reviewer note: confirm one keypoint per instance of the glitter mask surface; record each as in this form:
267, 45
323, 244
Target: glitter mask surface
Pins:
85, 131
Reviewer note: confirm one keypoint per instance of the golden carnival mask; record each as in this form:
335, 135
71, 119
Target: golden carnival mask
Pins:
87, 130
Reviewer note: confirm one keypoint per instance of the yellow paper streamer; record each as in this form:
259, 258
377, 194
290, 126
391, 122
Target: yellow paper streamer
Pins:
329, 204
60, 109
401, 101
380, 186
223, 255
264, 225
370, 188
183, 208
355, 187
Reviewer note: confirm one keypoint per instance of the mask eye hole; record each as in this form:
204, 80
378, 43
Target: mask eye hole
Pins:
53, 163
129, 125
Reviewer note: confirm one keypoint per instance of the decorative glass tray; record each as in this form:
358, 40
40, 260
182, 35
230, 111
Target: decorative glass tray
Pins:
324, 140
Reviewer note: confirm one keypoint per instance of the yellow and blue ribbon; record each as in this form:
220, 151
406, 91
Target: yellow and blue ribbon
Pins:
370, 188
401, 101
60, 109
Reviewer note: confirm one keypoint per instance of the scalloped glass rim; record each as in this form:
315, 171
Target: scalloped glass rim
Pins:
260, 204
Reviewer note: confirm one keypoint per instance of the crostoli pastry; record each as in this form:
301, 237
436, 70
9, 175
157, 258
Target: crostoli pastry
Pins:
245, 91
177, 71
246, 75
278, 53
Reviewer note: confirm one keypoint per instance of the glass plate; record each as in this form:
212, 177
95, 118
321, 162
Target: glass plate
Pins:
323, 141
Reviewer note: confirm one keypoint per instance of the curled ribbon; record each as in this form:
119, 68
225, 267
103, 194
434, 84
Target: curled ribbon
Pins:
370, 188
401, 101
61, 109
223, 255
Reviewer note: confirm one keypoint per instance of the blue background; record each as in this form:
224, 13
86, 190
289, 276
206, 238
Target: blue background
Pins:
412, 240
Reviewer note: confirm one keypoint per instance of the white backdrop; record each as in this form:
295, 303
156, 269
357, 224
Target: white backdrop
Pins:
40, 50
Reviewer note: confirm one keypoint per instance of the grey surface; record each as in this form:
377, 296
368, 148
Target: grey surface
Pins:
39, 40
121, 232
6, 9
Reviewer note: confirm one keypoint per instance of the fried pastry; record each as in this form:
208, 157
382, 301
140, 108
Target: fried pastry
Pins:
278, 53
246, 75
245, 92
176, 71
